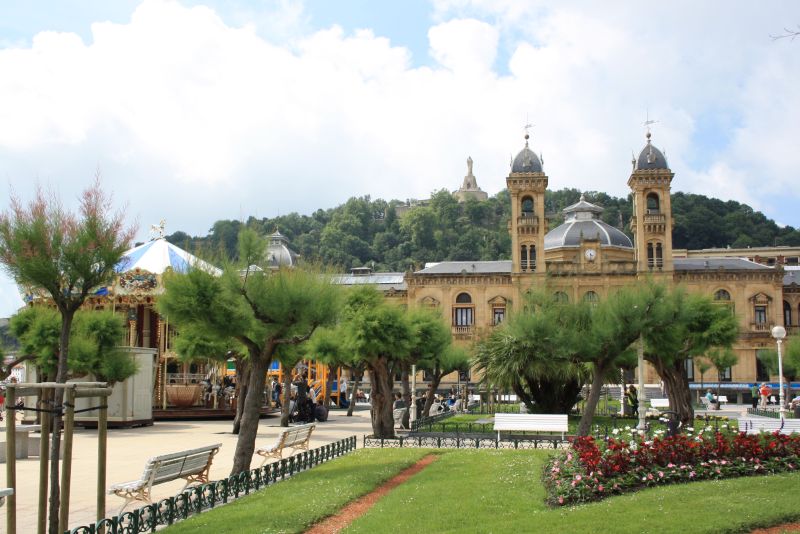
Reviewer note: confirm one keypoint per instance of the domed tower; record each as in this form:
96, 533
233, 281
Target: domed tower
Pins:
527, 183
651, 223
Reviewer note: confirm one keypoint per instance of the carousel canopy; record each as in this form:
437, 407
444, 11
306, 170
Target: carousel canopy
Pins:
158, 255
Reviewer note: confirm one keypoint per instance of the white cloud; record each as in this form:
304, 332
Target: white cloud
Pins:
193, 120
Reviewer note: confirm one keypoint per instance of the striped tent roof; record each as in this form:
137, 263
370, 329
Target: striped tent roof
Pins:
158, 255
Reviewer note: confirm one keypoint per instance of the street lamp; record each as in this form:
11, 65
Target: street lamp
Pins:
779, 333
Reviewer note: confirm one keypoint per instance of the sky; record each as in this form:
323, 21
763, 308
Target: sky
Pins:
194, 111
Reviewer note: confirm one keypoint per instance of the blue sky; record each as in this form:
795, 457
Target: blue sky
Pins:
199, 110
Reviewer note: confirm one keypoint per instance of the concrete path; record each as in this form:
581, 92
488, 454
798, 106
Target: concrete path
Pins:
129, 449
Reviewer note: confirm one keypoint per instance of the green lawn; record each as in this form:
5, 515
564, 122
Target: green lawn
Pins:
494, 491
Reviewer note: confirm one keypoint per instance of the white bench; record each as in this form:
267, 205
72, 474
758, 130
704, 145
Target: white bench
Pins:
530, 422
659, 404
296, 437
5, 492
758, 425
192, 466
722, 399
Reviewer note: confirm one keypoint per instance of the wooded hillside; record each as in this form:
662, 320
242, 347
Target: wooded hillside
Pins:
363, 231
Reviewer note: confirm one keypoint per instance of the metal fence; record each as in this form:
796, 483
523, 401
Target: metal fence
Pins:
461, 442
775, 414
423, 422
195, 500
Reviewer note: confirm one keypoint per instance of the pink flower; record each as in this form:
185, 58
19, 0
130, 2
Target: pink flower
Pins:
661, 474
600, 487
649, 476
561, 500
578, 477
691, 475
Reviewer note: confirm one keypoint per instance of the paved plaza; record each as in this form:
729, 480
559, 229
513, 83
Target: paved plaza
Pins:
129, 449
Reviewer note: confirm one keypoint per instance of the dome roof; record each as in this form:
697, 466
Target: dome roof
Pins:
278, 252
650, 158
582, 223
158, 255
526, 160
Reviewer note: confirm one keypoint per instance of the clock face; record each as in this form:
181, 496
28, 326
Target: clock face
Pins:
591, 254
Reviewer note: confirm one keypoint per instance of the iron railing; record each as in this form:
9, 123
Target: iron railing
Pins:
422, 422
193, 501
775, 414
460, 442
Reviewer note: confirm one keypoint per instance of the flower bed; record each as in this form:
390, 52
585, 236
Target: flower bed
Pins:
592, 470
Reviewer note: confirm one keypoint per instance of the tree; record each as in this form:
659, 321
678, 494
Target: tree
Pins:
378, 334
430, 337
452, 358
63, 257
695, 324
260, 309
94, 343
532, 354
790, 358
605, 334
722, 359
703, 365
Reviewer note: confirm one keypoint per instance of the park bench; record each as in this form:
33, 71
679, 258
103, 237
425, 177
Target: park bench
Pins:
757, 425
296, 437
5, 492
722, 399
530, 422
192, 466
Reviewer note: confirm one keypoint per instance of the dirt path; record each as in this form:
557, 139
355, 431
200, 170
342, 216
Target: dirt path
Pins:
780, 529
360, 506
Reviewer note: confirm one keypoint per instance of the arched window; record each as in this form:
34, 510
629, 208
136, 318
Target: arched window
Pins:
527, 206
653, 204
787, 314
560, 297
722, 294
463, 312
523, 257
591, 297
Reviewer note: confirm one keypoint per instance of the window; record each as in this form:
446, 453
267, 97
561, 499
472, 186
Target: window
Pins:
527, 206
787, 314
762, 374
498, 315
591, 297
689, 367
463, 376
722, 294
655, 255
761, 314
561, 297
726, 375
653, 203
463, 315
527, 255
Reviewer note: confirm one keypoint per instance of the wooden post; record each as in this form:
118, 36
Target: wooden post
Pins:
11, 459
46, 397
102, 435
66, 461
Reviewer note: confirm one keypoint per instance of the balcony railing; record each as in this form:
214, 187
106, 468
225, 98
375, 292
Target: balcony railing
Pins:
463, 331
760, 327
528, 220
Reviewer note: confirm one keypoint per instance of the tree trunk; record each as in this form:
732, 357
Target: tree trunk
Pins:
680, 397
382, 385
434, 385
246, 443
598, 379
405, 384
55, 439
286, 398
355, 379
240, 391
326, 399
551, 396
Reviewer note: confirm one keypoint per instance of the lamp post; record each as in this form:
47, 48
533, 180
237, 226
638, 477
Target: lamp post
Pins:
641, 396
412, 414
779, 333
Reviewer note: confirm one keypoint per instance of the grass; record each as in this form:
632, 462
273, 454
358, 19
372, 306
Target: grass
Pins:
295, 504
494, 491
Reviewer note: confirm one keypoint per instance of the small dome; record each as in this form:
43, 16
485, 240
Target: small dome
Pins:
651, 158
526, 160
582, 223
278, 252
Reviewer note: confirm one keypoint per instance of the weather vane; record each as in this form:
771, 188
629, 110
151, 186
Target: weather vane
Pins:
648, 122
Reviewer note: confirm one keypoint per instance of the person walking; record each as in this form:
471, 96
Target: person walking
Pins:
632, 397
765, 391
755, 395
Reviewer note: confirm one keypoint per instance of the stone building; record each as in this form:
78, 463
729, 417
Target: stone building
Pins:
585, 258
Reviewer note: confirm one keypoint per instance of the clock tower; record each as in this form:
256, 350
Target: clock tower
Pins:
527, 184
